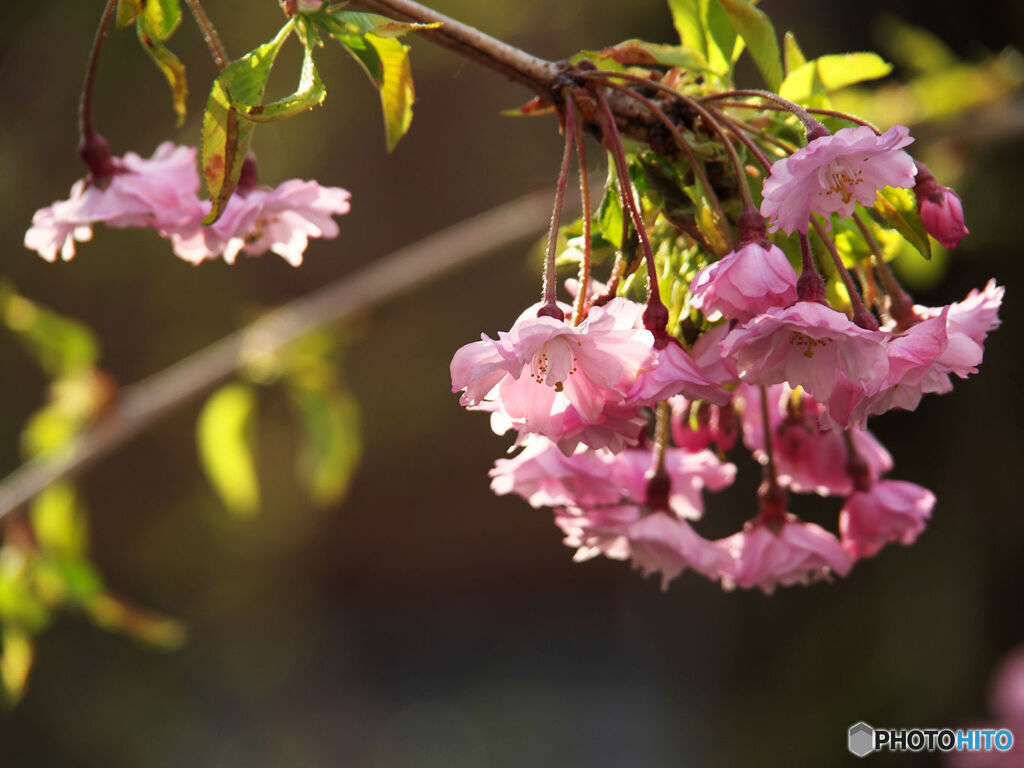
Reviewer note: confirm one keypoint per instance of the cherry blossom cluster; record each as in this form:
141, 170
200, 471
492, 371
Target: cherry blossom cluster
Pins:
620, 427
162, 193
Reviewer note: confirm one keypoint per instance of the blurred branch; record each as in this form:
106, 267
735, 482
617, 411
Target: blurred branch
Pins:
140, 406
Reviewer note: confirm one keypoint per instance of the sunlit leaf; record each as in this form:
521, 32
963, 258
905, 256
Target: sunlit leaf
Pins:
309, 93
64, 578
704, 27
899, 208
641, 53
757, 31
396, 88
832, 72
913, 47
112, 613
361, 23
332, 444
63, 347
16, 656
791, 53
58, 521
225, 449
127, 11
610, 220
226, 134
155, 24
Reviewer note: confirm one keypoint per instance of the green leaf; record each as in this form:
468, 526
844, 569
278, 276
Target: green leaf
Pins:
757, 31
67, 579
396, 89
832, 72
913, 47
704, 27
58, 522
361, 23
332, 444
224, 447
112, 613
793, 57
309, 93
62, 346
155, 25
127, 11
226, 134
16, 656
641, 53
899, 208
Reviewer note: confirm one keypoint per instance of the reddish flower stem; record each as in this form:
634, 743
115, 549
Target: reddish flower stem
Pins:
861, 315
813, 127
809, 286
901, 305
656, 314
580, 307
220, 56
86, 130
780, 108
549, 296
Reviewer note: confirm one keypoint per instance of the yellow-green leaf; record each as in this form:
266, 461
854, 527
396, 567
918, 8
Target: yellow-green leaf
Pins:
332, 444
226, 134
63, 347
58, 521
16, 656
757, 31
899, 208
396, 89
309, 93
792, 56
225, 450
127, 11
704, 27
832, 72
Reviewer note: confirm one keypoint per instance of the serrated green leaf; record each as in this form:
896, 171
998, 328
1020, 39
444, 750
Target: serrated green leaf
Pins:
226, 135
396, 88
757, 31
832, 72
332, 444
156, 23
127, 10
792, 56
704, 27
899, 208
309, 93
382, 26
63, 347
222, 435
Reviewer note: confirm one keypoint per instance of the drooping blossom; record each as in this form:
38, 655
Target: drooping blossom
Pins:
891, 510
159, 192
744, 283
808, 345
699, 425
688, 474
256, 220
810, 456
675, 373
790, 552
833, 173
543, 475
534, 374
942, 213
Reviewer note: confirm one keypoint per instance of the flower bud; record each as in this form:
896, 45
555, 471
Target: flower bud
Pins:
941, 211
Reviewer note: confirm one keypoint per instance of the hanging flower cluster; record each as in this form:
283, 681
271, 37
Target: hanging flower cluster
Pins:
623, 420
162, 193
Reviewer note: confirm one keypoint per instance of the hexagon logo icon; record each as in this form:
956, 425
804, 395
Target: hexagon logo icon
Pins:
861, 739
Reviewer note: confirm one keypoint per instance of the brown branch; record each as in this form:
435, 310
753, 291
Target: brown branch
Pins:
143, 404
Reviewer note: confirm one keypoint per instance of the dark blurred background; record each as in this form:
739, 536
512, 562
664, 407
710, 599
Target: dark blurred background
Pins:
425, 622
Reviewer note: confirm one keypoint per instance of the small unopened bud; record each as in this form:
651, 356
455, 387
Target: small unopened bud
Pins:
941, 211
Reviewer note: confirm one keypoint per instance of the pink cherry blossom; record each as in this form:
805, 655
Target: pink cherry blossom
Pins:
791, 552
675, 373
808, 345
810, 456
598, 530
744, 283
689, 474
663, 544
160, 192
543, 475
1007, 694
544, 367
280, 220
892, 510
698, 425
834, 173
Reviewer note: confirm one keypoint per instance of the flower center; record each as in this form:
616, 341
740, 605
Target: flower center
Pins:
803, 340
553, 362
839, 178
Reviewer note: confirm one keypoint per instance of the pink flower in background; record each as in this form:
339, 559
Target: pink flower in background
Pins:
793, 552
689, 474
834, 173
547, 366
280, 220
808, 345
810, 457
160, 192
597, 530
744, 283
698, 425
942, 213
892, 510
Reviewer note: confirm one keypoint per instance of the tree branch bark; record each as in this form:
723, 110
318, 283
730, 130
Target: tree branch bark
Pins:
141, 405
